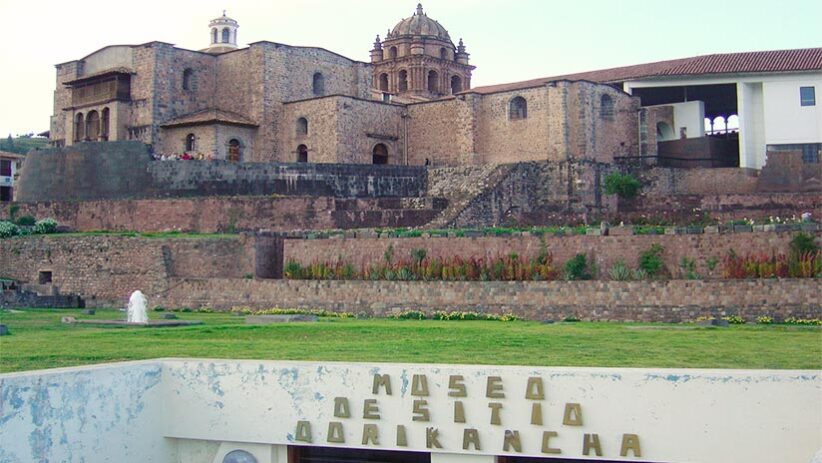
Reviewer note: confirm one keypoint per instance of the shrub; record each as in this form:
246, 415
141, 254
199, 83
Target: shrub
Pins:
619, 271
687, 268
8, 229
764, 320
623, 185
25, 221
45, 226
418, 255
650, 260
734, 320
292, 270
803, 243
577, 268
803, 321
409, 315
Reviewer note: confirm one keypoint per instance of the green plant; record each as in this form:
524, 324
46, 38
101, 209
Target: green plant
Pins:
418, 255
410, 315
711, 263
25, 221
248, 276
8, 229
650, 260
13, 209
764, 320
803, 321
576, 268
45, 226
388, 255
292, 270
734, 319
687, 268
803, 243
623, 185
619, 271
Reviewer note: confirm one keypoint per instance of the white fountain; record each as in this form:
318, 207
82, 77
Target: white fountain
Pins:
136, 312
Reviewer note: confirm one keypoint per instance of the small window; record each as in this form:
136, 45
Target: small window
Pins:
318, 84
456, 84
433, 82
44, 277
226, 35
807, 96
606, 108
402, 84
188, 78
214, 35
190, 145
392, 52
302, 126
5, 167
443, 53
384, 82
518, 108
302, 153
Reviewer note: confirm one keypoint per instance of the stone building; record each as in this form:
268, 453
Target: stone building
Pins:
413, 104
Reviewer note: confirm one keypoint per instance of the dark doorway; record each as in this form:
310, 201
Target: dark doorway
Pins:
380, 154
302, 153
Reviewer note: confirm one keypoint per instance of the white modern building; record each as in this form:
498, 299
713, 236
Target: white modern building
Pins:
10, 163
260, 411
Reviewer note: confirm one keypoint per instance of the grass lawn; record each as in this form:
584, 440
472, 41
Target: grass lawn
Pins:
38, 340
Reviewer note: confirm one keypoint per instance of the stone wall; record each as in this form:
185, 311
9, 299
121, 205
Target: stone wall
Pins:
658, 301
246, 213
604, 250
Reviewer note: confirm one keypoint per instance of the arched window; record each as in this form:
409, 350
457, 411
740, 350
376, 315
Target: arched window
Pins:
226, 35
79, 127
318, 84
518, 108
606, 108
720, 126
403, 81
188, 79
302, 153
380, 154
443, 53
433, 82
214, 35
190, 145
384, 82
104, 123
456, 84
93, 126
234, 150
392, 52
302, 126
239, 456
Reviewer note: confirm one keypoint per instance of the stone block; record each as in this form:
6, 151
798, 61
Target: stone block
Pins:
713, 322
169, 316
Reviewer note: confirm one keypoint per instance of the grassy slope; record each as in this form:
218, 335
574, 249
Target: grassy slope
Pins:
39, 340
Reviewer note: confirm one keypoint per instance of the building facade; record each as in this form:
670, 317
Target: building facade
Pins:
10, 164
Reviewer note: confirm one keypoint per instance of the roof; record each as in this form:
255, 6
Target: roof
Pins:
211, 116
419, 25
10, 155
806, 59
106, 72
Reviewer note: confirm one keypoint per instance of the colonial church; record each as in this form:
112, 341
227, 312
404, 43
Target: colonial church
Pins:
413, 104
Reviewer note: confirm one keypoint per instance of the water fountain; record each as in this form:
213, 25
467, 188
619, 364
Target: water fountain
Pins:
136, 312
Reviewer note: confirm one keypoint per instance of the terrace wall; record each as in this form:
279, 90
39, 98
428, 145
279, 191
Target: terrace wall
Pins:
657, 301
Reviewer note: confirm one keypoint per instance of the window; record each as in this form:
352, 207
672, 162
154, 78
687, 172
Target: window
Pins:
392, 52
190, 145
214, 35
384, 82
79, 127
234, 152
188, 77
518, 108
302, 126
93, 126
807, 96
443, 53
5, 167
403, 81
433, 81
380, 154
302, 153
456, 84
44, 277
318, 84
104, 123
606, 108
811, 152
226, 35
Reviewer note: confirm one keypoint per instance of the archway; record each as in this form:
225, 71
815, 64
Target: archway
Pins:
190, 144
403, 81
456, 84
384, 82
318, 84
93, 126
234, 150
433, 82
302, 153
79, 127
104, 124
380, 154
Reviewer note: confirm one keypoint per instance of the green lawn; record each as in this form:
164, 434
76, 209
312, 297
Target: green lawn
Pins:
38, 340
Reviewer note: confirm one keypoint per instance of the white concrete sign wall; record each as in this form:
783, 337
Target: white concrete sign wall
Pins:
209, 407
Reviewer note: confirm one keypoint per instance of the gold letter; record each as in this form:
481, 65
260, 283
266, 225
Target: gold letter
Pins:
511, 440
495, 407
335, 432
536, 414
419, 386
493, 389
370, 410
534, 389
402, 440
546, 446
455, 383
384, 381
459, 412
573, 415
630, 442
341, 409
420, 411
431, 438
470, 436
370, 433
303, 433
591, 441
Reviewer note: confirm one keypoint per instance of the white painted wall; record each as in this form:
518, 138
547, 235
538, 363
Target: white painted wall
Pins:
691, 116
190, 411
750, 105
788, 122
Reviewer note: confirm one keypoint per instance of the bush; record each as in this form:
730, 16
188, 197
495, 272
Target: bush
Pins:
26, 221
45, 226
623, 185
803, 243
577, 268
650, 260
764, 320
619, 271
8, 229
803, 321
734, 320
292, 270
410, 315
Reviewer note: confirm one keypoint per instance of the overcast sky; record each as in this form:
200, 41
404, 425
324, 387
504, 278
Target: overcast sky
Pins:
509, 40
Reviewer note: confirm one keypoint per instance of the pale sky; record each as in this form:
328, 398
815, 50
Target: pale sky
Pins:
509, 40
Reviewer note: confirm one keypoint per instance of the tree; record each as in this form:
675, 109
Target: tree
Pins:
8, 145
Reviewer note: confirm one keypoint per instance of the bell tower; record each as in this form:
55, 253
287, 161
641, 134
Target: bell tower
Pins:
223, 32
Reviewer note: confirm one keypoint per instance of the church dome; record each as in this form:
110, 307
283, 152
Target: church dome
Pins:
419, 25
